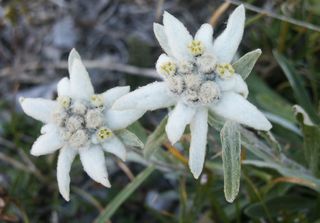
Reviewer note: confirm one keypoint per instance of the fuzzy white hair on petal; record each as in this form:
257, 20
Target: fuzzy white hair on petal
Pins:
94, 164
160, 34
178, 37
199, 131
234, 107
111, 95
38, 108
120, 119
226, 44
80, 82
47, 143
150, 97
178, 119
65, 159
205, 35
116, 147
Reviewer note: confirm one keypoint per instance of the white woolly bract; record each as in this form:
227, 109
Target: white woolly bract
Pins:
178, 37
38, 108
63, 87
116, 147
94, 164
47, 143
204, 34
111, 95
178, 119
121, 119
80, 84
197, 152
226, 45
150, 97
74, 120
65, 159
160, 34
235, 107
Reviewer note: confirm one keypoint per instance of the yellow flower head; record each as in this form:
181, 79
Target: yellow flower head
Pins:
97, 100
225, 70
196, 47
64, 101
104, 133
168, 68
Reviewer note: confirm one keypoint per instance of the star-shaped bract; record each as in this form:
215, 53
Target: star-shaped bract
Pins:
197, 77
80, 122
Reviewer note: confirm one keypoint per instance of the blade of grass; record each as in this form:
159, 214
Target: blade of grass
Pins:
296, 83
183, 198
155, 139
107, 213
258, 195
88, 198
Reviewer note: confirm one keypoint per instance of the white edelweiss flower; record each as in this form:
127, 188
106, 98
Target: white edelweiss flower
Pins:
80, 122
197, 77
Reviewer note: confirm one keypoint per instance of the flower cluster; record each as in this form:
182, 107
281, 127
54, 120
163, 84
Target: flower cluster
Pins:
197, 77
80, 122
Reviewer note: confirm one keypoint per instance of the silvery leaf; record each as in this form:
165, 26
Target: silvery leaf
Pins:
245, 64
231, 157
156, 138
129, 138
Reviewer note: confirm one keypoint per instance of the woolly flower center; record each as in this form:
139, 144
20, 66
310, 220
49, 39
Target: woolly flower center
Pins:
196, 81
81, 120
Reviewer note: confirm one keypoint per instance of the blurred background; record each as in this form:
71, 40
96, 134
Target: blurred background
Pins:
116, 41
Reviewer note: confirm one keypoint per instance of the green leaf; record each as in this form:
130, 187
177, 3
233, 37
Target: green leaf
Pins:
311, 142
138, 130
156, 138
283, 122
112, 207
267, 99
231, 156
271, 159
269, 137
245, 64
279, 205
303, 178
129, 138
296, 83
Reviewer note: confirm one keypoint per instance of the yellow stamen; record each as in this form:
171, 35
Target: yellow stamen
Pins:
64, 101
225, 70
103, 133
196, 47
168, 68
97, 100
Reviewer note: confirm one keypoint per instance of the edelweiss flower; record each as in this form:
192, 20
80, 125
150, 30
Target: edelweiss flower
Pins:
197, 76
80, 122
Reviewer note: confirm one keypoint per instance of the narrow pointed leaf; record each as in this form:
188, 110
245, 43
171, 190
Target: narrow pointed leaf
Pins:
245, 64
311, 143
113, 206
272, 141
269, 100
129, 138
231, 149
280, 204
269, 158
296, 82
156, 138
306, 178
